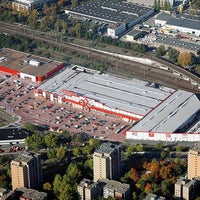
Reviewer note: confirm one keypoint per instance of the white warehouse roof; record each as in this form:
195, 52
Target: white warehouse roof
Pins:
130, 95
171, 114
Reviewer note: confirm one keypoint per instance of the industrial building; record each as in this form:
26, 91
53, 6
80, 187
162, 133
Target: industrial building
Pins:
170, 120
27, 66
26, 170
122, 14
158, 112
129, 100
181, 24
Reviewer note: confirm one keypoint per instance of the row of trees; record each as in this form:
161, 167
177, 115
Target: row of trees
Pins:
162, 4
184, 59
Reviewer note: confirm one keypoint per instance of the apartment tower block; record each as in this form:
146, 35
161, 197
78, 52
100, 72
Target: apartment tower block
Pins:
194, 162
26, 170
107, 162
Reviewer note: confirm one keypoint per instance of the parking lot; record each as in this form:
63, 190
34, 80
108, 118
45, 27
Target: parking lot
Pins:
17, 97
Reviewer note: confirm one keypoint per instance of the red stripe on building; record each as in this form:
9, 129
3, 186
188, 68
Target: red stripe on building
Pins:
10, 71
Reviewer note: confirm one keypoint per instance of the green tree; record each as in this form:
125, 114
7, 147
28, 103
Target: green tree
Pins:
35, 142
134, 195
47, 186
78, 30
130, 149
57, 184
88, 165
165, 187
33, 17
60, 153
77, 151
155, 5
168, 6
74, 3
127, 177
163, 155
64, 26
160, 51
173, 55
159, 146
51, 153
87, 150
140, 148
73, 172
179, 148
3, 181
51, 140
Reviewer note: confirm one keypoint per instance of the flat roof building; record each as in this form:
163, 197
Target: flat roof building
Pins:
27, 65
115, 189
182, 46
112, 11
151, 196
27, 5
170, 120
26, 170
30, 194
127, 99
13, 135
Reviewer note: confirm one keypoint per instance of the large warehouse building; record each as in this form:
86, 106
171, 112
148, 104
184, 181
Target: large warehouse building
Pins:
128, 99
27, 65
119, 14
159, 113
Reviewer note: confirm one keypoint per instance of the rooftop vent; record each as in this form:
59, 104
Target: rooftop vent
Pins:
34, 63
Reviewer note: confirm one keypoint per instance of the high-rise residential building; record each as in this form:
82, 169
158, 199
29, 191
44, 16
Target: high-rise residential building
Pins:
107, 162
26, 170
194, 161
88, 190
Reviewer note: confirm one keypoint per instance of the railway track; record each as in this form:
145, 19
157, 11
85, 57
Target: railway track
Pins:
120, 66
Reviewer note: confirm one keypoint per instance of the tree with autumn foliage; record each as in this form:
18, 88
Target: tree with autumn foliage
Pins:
185, 59
134, 175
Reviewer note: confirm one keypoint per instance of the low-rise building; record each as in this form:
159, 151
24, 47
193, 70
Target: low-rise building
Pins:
185, 188
151, 196
115, 189
30, 194
89, 190
134, 35
116, 29
27, 5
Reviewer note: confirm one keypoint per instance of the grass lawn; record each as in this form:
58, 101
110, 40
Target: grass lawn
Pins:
5, 118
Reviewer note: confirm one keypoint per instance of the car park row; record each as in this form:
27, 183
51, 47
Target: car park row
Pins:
17, 97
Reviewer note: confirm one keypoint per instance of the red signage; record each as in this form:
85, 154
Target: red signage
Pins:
151, 134
69, 93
